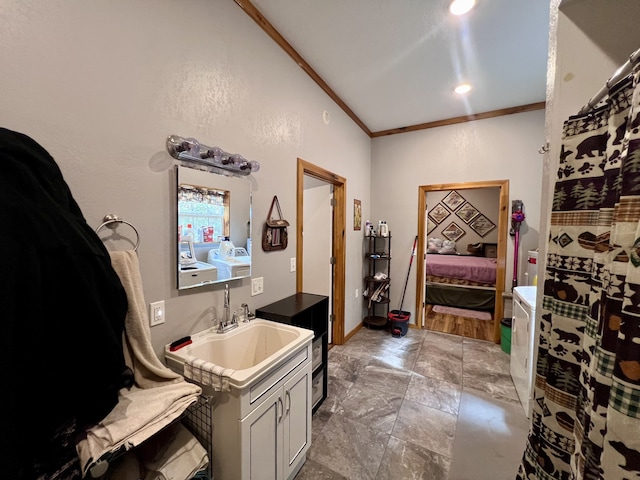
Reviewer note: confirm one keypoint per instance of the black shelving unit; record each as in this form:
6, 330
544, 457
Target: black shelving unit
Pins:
306, 310
377, 280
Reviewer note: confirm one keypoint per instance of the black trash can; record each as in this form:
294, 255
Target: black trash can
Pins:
505, 334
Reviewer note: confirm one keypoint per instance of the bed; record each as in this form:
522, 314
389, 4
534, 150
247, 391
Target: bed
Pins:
463, 281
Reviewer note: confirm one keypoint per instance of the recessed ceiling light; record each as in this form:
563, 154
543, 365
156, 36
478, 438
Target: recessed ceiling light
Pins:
462, 88
460, 7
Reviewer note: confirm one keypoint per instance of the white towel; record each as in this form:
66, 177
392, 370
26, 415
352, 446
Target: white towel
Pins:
206, 373
159, 396
173, 454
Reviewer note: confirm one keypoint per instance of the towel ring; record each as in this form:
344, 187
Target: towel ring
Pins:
110, 220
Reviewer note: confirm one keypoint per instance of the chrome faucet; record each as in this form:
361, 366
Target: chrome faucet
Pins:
226, 303
227, 322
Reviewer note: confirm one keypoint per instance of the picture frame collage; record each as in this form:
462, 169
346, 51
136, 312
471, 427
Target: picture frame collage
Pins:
452, 203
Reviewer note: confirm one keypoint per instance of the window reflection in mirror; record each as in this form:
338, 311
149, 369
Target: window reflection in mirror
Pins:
213, 232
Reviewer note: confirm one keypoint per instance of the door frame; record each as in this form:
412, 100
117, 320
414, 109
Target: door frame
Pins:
338, 241
503, 222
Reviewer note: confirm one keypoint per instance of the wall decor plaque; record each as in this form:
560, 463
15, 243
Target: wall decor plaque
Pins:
453, 200
453, 232
439, 213
482, 225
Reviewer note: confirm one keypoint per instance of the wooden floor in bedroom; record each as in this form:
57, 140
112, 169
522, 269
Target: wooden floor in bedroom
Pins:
462, 326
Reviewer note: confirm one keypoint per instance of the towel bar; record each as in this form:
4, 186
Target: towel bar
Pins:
110, 220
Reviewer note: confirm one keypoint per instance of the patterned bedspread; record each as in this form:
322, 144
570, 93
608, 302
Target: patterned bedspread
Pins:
466, 268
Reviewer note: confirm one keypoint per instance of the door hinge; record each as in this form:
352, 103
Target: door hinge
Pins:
332, 318
334, 202
332, 260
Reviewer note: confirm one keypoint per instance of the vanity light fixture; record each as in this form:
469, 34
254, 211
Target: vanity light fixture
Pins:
195, 155
460, 7
462, 88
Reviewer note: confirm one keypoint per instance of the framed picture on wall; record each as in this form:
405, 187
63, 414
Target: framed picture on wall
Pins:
357, 214
430, 225
467, 212
453, 232
439, 213
453, 200
482, 225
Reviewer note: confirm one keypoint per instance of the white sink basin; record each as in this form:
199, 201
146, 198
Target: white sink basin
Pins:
247, 352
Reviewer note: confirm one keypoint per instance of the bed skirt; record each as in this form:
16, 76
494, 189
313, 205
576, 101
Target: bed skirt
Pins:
460, 296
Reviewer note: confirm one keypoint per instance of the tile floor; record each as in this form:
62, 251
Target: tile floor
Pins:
425, 406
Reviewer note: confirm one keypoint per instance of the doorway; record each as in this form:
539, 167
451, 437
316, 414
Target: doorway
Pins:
314, 176
501, 248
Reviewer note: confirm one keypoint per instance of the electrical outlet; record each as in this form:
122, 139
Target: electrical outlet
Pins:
257, 286
156, 313
292, 265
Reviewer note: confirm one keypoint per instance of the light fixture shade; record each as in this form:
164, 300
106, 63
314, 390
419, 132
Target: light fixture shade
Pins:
462, 88
195, 155
460, 7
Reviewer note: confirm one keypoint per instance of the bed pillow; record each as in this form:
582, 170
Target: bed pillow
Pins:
434, 245
448, 248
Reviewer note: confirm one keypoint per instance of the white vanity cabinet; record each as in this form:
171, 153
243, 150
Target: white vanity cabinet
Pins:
263, 432
278, 432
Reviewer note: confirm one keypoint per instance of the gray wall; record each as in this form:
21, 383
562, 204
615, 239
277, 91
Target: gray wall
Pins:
102, 84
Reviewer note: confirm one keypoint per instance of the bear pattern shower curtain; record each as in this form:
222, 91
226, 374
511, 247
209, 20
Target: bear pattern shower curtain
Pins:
586, 414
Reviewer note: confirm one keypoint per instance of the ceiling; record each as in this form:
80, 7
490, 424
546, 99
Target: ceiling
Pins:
392, 64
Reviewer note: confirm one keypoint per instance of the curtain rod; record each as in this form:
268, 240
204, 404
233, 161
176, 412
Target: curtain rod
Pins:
619, 74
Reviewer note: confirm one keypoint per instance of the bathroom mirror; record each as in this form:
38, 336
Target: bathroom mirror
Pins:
213, 231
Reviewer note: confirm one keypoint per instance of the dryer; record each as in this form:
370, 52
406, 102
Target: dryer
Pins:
524, 344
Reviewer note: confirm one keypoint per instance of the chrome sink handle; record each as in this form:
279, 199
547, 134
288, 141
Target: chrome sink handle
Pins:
247, 315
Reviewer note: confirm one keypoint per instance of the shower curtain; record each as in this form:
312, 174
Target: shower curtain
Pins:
586, 415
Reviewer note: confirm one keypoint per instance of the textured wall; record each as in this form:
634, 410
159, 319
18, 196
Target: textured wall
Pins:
101, 85
492, 149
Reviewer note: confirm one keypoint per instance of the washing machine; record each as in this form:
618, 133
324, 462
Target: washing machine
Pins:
524, 344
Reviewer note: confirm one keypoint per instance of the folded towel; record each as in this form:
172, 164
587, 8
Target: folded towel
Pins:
172, 454
138, 415
207, 373
159, 395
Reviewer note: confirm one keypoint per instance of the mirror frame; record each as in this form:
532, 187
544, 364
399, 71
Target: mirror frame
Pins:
232, 181
503, 225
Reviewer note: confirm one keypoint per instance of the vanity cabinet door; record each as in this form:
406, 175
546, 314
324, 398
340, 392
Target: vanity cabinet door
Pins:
277, 433
262, 434
297, 419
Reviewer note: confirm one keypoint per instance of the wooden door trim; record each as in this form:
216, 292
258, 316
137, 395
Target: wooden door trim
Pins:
503, 225
339, 227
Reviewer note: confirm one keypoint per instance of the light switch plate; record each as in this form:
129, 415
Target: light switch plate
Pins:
156, 313
292, 264
257, 286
